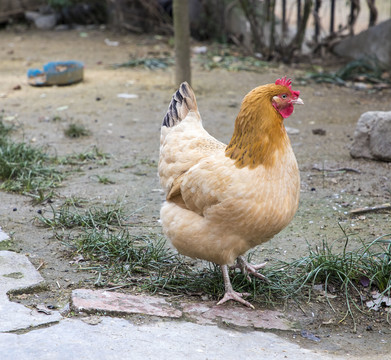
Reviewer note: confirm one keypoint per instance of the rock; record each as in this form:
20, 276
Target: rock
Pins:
3, 235
46, 22
43, 21
374, 42
18, 275
372, 137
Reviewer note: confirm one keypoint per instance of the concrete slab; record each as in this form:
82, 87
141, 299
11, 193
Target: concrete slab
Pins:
17, 274
3, 235
119, 339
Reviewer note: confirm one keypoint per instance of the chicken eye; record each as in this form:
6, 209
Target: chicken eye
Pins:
284, 96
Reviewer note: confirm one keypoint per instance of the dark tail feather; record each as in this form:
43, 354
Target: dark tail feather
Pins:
182, 102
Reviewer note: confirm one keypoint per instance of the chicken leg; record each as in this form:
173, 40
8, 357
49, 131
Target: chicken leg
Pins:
248, 268
230, 293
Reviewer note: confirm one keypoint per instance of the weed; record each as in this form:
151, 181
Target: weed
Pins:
24, 168
56, 118
5, 130
42, 196
71, 215
76, 131
104, 180
94, 154
366, 70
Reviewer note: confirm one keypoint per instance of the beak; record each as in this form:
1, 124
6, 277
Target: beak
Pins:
298, 101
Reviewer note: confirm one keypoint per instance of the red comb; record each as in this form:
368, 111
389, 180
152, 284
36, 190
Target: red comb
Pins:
284, 82
287, 82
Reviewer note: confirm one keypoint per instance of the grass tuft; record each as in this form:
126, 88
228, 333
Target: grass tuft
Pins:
71, 215
94, 155
24, 168
76, 131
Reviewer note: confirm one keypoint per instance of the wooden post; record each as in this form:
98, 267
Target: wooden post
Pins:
332, 15
298, 14
372, 12
182, 41
284, 28
317, 19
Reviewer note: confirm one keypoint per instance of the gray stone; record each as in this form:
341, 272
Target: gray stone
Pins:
110, 302
17, 274
164, 340
46, 22
372, 137
380, 140
374, 42
3, 235
43, 21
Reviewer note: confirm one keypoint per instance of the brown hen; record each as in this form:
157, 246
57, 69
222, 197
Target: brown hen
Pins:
223, 200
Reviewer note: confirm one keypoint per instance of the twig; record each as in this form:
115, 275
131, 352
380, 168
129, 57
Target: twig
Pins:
40, 265
116, 287
366, 209
316, 167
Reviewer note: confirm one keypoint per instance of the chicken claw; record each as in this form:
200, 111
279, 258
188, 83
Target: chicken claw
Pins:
248, 268
230, 294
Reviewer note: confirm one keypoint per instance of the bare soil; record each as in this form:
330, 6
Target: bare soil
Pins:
128, 129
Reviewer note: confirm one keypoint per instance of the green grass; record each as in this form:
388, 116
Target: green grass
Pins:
366, 70
24, 168
104, 180
72, 215
5, 130
92, 155
29, 170
122, 257
76, 131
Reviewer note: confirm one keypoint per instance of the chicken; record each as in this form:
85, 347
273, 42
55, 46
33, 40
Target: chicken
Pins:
222, 200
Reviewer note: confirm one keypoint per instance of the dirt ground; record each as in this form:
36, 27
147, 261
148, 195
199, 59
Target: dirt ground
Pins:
128, 129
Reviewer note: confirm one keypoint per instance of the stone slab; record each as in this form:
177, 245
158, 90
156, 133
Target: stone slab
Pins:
3, 235
93, 301
15, 317
17, 274
237, 316
164, 340
205, 313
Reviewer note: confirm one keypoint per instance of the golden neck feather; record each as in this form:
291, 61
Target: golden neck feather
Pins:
259, 134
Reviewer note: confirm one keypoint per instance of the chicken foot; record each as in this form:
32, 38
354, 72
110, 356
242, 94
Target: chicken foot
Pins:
247, 268
230, 293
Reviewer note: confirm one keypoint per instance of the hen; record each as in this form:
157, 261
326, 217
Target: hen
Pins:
222, 200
